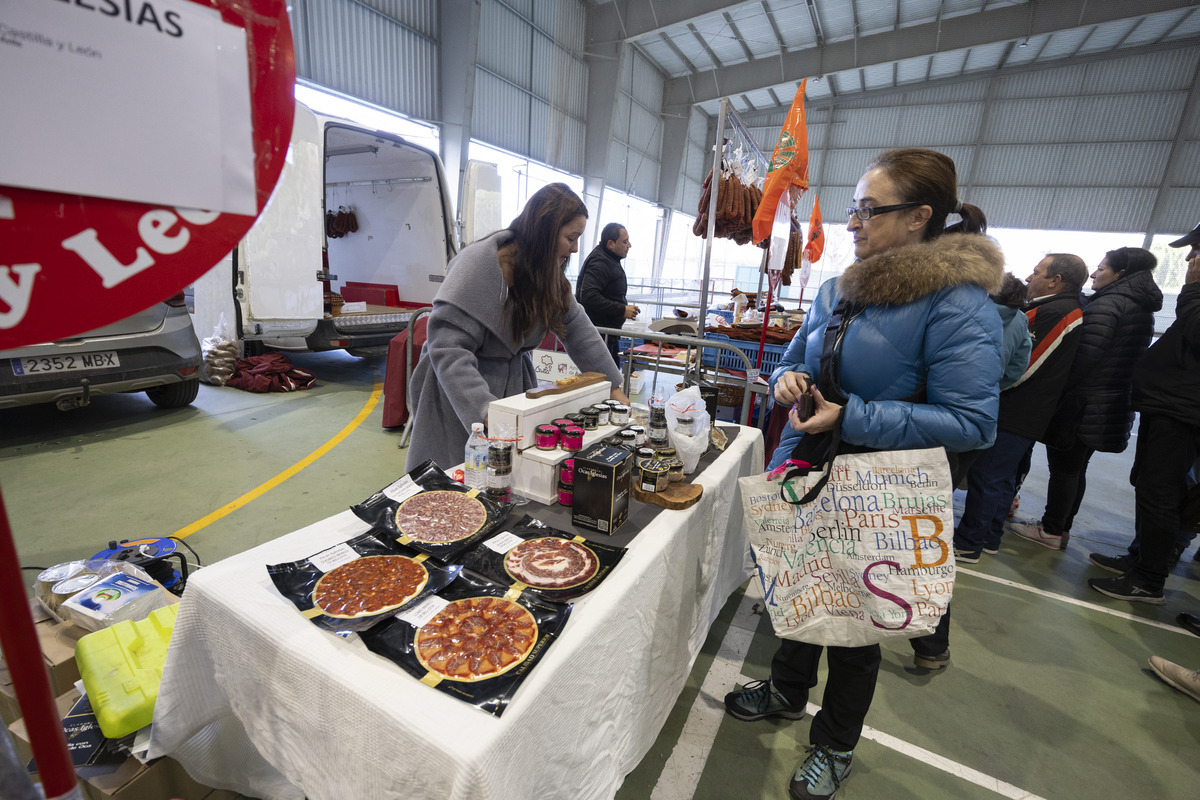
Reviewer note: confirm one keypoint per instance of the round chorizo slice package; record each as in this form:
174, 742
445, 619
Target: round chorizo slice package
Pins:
432, 513
475, 640
351, 586
535, 557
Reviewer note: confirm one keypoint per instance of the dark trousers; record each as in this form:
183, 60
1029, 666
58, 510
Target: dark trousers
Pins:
614, 347
1068, 482
1166, 449
991, 484
848, 690
936, 643
1023, 470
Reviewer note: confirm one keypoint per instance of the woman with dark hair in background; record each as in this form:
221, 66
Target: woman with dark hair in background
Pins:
1095, 411
500, 297
917, 346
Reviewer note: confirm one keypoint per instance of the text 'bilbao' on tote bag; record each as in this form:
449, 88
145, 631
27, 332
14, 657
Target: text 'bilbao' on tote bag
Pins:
868, 559
854, 547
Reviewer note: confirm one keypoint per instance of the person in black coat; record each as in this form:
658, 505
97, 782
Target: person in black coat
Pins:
1095, 412
1055, 317
602, 286
1166, 392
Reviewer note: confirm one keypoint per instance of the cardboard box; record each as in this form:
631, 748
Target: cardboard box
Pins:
602, 478
132, 780
58, 641
523, 414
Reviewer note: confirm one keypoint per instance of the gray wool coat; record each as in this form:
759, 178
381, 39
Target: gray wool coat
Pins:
469, 358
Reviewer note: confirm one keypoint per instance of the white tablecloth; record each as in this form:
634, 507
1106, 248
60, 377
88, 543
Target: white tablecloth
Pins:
256, 699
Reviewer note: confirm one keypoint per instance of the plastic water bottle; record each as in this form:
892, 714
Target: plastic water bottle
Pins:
475, 461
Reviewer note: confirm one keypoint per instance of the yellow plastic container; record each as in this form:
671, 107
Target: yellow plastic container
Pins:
121, 667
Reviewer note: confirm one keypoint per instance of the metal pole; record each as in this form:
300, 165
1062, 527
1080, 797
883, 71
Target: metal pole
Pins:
31, 681
713, 191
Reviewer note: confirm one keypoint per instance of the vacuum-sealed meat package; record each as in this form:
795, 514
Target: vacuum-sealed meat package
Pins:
531, 555
429, 511
475, 640
353, 585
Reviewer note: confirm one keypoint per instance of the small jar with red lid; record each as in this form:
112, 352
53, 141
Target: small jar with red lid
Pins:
572, 439
545, 437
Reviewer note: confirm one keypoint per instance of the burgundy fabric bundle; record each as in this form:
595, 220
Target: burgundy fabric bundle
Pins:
272, 372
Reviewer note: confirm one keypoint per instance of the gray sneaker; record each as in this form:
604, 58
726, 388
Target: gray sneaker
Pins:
821, 773
759, 700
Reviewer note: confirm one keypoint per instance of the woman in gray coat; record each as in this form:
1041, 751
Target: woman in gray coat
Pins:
501, 296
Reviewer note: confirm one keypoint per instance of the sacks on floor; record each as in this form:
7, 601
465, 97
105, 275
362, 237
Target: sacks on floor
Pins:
272, 372
870, 558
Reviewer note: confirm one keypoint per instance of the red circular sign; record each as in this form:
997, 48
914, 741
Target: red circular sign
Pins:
71, 263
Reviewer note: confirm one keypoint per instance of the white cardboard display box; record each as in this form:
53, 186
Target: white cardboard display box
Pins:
523, 414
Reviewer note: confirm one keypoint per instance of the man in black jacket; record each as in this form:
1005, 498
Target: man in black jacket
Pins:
1166, 391
1026, 407
602, 285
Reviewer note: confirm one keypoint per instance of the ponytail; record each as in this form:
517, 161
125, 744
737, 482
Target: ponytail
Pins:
973, 220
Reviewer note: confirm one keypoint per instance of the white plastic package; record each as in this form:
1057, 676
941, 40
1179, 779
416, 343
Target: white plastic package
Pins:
688, 425
221, 352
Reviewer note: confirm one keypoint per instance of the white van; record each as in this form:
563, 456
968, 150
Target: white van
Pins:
281, 285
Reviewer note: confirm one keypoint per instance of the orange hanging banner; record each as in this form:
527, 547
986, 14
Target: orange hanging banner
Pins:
789, 166
816, 234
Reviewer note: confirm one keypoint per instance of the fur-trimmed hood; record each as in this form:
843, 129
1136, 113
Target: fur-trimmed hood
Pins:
913, 271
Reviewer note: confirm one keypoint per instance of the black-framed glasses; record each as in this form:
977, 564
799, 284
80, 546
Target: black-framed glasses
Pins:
866, 212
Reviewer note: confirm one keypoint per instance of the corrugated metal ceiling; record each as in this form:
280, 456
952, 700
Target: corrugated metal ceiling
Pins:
1070, 99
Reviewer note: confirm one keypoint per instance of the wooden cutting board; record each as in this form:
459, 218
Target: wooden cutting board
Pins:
676, 496
570, 384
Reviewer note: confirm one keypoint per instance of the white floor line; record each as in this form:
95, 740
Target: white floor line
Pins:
941, 762
681, 773
1072, 601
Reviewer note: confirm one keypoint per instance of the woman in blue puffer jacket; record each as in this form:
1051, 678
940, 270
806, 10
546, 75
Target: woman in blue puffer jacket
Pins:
920, 367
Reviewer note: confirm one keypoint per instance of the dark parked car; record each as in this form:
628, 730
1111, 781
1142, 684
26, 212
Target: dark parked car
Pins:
154, 351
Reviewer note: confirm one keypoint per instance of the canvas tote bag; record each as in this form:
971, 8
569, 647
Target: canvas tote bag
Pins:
869, 558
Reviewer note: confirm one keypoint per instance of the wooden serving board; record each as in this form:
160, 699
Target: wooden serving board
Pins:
578, 382
676, 496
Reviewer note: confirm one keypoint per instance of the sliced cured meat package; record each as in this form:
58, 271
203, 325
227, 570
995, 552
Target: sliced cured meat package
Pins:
533, 556
432, 513
353, 585
477, 640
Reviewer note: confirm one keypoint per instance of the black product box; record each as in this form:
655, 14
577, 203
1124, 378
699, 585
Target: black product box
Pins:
602, 478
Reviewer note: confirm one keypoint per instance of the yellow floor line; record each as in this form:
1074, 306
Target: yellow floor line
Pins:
262, 489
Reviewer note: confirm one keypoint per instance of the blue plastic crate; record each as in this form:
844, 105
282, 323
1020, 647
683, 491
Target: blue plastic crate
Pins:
772, 354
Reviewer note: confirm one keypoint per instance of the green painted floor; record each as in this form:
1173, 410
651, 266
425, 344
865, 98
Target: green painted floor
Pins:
1048, 693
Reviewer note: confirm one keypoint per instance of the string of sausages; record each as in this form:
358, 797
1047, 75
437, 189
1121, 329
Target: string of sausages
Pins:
736, 204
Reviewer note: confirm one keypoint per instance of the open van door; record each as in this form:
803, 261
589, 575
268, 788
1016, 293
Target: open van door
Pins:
278, 262
481, 214
356, 235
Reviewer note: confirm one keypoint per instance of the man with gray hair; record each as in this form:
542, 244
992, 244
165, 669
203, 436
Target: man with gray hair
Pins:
1055, 314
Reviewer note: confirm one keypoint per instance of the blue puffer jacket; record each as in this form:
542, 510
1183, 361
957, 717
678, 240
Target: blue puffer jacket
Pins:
928, 323
1017, 344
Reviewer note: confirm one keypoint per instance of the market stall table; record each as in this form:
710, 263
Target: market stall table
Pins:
256, 699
